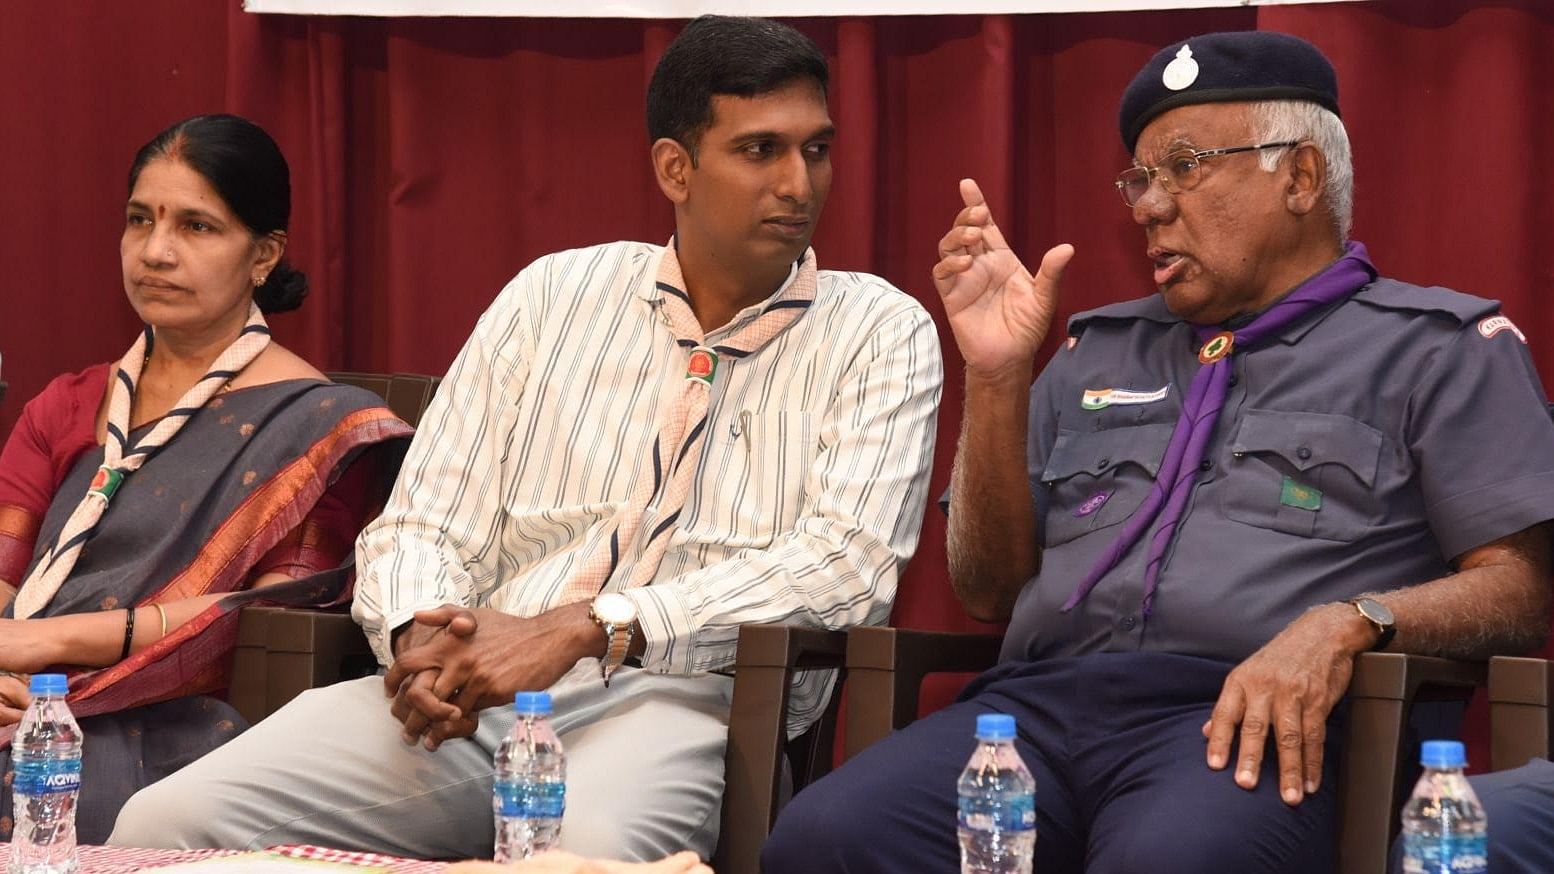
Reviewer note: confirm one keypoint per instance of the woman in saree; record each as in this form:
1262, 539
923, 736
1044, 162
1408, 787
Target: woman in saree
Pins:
143, 502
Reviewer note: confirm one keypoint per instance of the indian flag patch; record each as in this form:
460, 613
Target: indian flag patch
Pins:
1101, 398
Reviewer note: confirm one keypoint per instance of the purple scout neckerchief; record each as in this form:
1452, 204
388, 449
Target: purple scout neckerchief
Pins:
1200, 412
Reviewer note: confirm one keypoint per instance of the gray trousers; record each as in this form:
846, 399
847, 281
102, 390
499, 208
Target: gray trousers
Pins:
644, 775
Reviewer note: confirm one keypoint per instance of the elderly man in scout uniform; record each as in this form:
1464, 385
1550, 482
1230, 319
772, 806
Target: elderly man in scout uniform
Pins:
1233, 487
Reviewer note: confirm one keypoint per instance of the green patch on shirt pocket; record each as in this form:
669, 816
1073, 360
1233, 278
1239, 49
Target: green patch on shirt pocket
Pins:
1293, 494
1303, 473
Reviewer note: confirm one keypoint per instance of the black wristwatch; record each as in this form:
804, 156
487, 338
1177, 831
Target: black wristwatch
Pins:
1378, 615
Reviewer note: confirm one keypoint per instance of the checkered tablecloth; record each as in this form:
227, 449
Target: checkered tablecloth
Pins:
123, 860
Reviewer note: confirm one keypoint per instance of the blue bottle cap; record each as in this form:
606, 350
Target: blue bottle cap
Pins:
48, 684
1443, 754
995, 726
532, 703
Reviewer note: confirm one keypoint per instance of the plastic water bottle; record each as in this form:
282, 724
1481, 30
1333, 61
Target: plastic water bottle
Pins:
997, 821
531, 782
46, 758
1443, 823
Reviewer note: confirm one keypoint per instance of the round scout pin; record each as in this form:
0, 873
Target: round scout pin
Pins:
703, 364
1181, 72
1218, 347
105, 483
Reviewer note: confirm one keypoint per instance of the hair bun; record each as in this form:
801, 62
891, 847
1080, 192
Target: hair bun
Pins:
283, 291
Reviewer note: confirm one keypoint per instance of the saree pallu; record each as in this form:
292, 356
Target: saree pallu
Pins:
198, 519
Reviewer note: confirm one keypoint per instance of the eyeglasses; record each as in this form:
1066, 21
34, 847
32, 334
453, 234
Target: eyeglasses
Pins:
1180, 171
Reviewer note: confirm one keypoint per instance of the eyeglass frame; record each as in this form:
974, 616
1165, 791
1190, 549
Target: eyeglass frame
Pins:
1198, 157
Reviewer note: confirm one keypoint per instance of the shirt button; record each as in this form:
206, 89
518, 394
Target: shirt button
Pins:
1234, 379
1303, 453
1103, 464
1128, 623
1205, 465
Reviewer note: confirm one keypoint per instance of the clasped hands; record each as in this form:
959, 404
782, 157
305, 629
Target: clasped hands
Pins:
452, 662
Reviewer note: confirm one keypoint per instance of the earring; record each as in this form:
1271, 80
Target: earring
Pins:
259, 280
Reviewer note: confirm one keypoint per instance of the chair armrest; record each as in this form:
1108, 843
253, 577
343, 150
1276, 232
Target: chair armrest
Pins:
885, 670
283, 652
1381, 691
1520, 690
757, 732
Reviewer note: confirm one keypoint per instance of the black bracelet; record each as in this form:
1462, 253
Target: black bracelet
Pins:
129, 632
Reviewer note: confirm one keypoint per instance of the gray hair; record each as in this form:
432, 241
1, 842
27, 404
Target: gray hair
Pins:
1276, 120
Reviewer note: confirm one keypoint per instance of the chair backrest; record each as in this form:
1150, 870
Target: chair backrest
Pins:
1521, 720
760, 754
282, 653
407, 394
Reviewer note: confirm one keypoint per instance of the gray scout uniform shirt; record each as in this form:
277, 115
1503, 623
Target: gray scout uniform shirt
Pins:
1361, 450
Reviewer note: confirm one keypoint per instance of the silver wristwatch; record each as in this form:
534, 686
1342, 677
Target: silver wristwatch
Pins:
617, 615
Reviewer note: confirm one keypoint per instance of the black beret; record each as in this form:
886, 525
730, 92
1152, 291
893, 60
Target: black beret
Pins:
1222, 67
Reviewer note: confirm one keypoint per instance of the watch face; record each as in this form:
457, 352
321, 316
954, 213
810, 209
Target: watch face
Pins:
1375, 611
615, 609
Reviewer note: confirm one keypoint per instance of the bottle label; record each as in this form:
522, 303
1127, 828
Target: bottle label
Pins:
1016, 814
533, 799
1448, 854
46, 776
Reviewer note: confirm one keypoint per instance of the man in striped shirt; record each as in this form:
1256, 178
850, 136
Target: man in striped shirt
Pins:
639, 449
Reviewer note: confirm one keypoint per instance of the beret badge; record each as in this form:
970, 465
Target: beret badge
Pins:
1181, 72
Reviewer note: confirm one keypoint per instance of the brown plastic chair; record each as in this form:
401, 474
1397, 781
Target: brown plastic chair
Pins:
886, 666
1519, 715
282, 653
759, 754
407, 394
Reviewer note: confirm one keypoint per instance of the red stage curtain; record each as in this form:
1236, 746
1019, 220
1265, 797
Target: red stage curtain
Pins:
434, 158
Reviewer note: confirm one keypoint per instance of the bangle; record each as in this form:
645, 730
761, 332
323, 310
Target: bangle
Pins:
161, 614
129, 632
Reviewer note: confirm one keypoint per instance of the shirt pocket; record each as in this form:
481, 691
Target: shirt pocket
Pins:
752, 480
1308, 474
1095, 479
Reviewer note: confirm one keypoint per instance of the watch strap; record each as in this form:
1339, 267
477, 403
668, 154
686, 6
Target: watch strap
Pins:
616, 647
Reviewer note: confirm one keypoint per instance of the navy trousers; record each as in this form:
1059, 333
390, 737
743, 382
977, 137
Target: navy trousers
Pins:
1115, 743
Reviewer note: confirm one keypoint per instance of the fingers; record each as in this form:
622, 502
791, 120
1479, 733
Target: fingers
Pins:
14, 692
971, 193
1054, 263
1254, 736
439, 616
960, 240
394, 679
9, 715
431, 700
1289, 742
415, 721
951, 266
450, 729
1221, 727
463, 624
1315, 738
